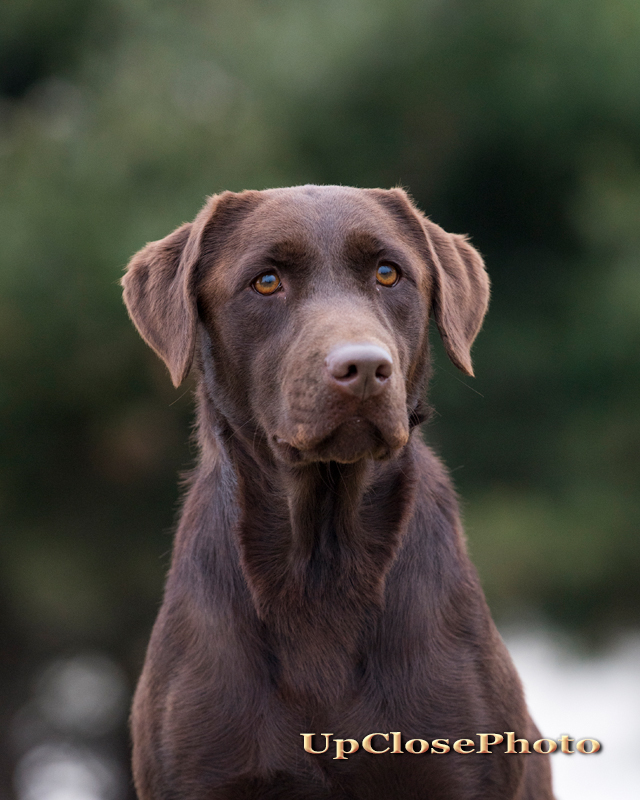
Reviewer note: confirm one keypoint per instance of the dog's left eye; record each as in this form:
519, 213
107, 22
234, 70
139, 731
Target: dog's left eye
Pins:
387, 274
267, 283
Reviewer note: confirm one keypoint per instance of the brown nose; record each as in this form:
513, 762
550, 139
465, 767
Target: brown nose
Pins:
359, 369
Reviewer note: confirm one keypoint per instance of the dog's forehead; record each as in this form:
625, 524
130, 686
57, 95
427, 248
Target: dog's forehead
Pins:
322, 215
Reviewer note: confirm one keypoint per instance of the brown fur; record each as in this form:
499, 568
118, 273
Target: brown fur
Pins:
320, 580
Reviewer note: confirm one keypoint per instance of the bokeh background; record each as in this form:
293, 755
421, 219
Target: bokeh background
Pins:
517, 122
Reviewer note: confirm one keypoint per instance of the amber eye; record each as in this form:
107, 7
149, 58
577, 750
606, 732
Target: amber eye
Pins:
267, 283
387, 274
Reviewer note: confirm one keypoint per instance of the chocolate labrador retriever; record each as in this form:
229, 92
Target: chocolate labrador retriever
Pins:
321, 615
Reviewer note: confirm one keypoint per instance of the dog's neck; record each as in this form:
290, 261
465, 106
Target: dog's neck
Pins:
316, 543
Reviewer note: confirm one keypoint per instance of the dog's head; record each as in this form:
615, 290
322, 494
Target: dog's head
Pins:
311, 305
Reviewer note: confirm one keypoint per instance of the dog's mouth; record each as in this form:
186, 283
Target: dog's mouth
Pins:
354, 439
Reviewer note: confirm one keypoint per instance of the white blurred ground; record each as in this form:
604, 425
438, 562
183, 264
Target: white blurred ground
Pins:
585, 696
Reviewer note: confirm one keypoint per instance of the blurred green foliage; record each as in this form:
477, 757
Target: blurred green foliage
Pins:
518, 123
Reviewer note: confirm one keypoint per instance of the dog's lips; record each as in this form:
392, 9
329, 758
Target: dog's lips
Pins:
355, 438
287, 451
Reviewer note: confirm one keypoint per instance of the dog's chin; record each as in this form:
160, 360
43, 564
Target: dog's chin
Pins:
351, 441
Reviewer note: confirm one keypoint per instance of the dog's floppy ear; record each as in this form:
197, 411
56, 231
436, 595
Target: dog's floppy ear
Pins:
460, 293
460, 285
160, 284
158, 293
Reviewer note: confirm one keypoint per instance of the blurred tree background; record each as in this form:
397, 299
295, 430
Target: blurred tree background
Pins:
517, 122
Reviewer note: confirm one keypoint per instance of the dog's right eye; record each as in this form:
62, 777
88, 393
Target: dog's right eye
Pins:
268, 283
387, 275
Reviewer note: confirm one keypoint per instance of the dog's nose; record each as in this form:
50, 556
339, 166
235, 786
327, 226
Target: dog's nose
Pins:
359, 369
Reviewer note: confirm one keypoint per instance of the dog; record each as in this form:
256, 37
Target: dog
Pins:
320, 585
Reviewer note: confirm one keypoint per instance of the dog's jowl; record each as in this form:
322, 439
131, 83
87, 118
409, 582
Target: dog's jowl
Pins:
319, 580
